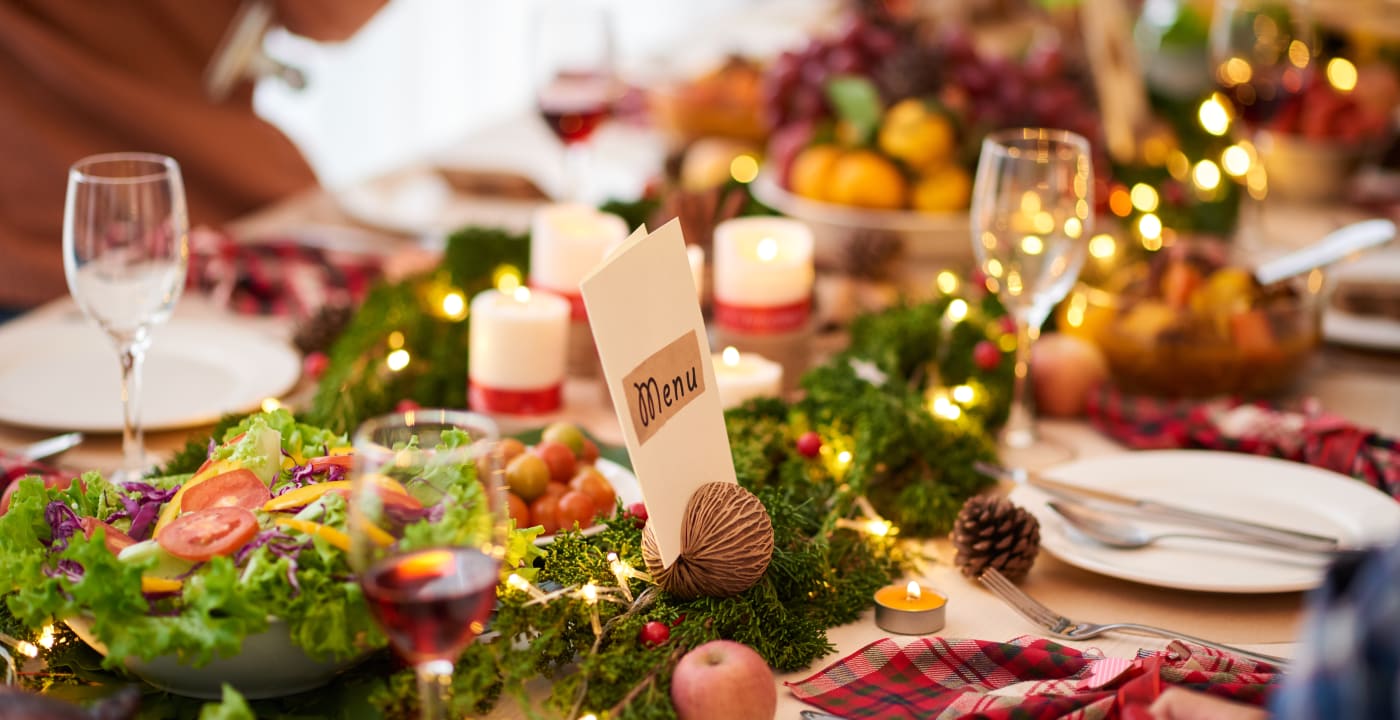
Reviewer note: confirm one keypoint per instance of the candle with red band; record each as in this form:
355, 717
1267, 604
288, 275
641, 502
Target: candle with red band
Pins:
763, 275
516, 352
566, 242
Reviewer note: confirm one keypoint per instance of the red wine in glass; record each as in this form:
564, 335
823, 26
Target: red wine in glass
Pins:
575, 104
432, 603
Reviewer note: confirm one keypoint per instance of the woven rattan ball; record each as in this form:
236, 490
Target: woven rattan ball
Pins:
726, 544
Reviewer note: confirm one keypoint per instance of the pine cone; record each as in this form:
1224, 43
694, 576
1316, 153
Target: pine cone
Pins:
320, 331
993, 532
872, 254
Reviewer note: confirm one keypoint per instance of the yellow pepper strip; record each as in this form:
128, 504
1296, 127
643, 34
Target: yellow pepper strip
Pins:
375, 533
151, 584
325, 532
303, 496
307, 494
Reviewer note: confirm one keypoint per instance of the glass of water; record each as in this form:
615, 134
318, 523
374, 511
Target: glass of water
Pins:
125, 251
1032, 213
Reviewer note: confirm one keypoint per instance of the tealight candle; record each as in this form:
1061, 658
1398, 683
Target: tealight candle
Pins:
516, 351
567, 241
763, 275
743, 376
909, 609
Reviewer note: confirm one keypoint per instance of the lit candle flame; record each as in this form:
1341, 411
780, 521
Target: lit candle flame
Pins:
912, 591
767, 249
521, 294
730, 356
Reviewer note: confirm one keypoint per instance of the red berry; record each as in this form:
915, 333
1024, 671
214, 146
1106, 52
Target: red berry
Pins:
1007, 324
809, 444
314, 364
986, 355
406, 405
639, 513
654, 633
679, 619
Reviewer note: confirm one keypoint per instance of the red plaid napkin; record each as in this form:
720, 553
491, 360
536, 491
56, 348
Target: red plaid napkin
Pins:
13, 468
278, 277
1028, 678
1308, 436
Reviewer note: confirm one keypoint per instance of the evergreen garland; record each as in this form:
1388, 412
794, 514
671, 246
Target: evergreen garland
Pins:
870, 406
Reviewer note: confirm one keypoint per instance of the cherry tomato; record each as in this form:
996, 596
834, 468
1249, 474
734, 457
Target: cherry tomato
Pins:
115, 539
590, 482
236, 488
545, 512
519, 510
576, 508
198, 536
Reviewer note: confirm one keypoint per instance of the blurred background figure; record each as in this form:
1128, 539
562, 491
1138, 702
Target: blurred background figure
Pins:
81, 77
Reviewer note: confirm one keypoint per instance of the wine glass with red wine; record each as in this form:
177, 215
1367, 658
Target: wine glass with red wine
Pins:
1262, 55
574, 80
428, 526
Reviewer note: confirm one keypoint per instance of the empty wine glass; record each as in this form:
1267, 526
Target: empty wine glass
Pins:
1262, 55
1032, 205
573, 76
428, 529
125, 250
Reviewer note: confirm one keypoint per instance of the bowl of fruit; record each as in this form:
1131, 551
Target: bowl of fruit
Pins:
562, 482
1187, 324
875, 130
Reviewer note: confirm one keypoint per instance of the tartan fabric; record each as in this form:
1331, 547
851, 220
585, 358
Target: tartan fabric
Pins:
278, 277
1309, 436
1028, 678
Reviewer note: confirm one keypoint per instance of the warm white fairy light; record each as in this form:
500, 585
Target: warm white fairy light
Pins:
767, 249
1144, 197
506, 278
1206, 175
1102, 246
589, 593
397, 360
947, 282
964, 394
1214, 117
270, 404
623, 572
454, 305
1341, 73
878, 528
23, 647
1235, 160
945, 408
46, 637
957, 310
519, 583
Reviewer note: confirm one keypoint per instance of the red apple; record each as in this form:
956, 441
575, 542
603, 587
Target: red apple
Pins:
724, 679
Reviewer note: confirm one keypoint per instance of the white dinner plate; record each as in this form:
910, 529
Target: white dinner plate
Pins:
61, 373
624, 483
1259, 489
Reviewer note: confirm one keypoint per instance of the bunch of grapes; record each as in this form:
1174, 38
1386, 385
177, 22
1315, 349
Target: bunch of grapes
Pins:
794, 89
997, 92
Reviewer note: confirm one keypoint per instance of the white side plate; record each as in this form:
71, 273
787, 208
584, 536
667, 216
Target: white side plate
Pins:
1259, 489
61, 373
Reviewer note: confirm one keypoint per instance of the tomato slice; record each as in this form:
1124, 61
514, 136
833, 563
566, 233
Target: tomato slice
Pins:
325, 462
198, 536
236, 488
115, 539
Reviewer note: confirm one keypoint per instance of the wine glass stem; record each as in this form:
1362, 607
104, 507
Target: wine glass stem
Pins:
1019, 431
434, 689
575, 169
132, 354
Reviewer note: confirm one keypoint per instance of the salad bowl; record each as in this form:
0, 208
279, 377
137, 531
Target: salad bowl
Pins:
269, 665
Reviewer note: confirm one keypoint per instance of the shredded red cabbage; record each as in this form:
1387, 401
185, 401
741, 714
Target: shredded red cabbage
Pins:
143, 509
63, 522
71, 569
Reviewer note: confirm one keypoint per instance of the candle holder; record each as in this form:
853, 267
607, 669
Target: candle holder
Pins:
911, 609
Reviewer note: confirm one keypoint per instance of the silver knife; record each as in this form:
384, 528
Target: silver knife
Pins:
818, 715
1297, 538
49, 447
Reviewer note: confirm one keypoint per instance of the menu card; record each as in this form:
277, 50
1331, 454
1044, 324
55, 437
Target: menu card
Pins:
656, 362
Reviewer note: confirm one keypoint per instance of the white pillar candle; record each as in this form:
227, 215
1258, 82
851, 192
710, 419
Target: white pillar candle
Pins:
516, 351
696, 255
763, 274
567, 241
743, 376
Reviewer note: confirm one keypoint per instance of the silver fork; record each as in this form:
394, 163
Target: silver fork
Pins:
1059, 626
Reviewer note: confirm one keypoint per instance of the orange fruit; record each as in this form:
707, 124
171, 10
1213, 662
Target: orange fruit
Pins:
921, 137
811, 171
945, 190
866, 179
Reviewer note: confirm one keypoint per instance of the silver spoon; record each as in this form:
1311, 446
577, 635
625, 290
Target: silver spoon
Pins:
1336, 245
1106, 529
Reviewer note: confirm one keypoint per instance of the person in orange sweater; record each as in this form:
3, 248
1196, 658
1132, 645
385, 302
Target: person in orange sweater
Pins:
80, 77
